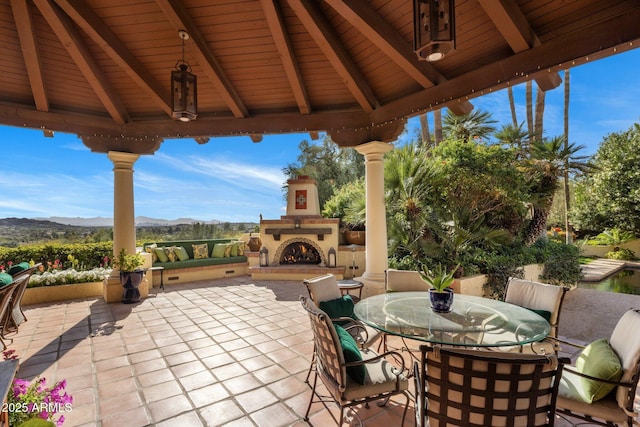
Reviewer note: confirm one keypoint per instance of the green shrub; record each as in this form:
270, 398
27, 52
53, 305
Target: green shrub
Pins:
80, 256
621, 254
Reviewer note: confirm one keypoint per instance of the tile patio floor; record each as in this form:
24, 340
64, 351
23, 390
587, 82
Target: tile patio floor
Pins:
230, 352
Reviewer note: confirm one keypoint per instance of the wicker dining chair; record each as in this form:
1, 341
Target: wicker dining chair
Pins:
471, 388
577, 395
351, 382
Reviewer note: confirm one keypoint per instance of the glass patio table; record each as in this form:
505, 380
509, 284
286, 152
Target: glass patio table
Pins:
473, 321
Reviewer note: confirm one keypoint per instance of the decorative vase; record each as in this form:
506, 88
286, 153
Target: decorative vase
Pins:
441, 302
130, 281
254, 243
355, 237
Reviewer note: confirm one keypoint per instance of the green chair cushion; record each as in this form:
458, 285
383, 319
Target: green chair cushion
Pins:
339, 307
543, 313
18, 268
5, 279
598, 360
182, 253
351, 354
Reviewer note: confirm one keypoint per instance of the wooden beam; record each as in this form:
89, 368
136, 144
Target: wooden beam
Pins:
563, 52
100, 33
380, 33
331, 46
72, 41
26, 34
180, 19
276, 24
514, 27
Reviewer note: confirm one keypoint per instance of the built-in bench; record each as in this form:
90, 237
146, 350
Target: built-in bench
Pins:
221, 258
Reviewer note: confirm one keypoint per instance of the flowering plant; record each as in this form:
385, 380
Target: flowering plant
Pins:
68, 277
33, 399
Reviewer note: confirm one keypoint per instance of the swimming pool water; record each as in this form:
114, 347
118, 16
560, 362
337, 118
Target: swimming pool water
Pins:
624, 282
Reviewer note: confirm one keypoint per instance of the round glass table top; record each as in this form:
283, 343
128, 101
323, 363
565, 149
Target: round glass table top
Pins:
473, 321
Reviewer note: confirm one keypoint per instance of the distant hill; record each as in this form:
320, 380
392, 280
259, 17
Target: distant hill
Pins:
108, 222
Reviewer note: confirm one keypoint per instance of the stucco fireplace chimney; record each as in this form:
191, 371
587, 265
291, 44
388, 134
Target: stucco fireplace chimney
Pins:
302, 197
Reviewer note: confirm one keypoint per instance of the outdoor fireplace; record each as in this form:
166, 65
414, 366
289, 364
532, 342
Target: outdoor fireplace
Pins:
301, 243
300, 252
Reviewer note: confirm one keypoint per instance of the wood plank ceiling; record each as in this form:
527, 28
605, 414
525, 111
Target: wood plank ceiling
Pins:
101, 69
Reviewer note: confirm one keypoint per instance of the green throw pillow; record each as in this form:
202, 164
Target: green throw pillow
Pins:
200, 251
161, 254
600, 361
543, 313
218, 250
5, 279
234, 249
182, 253
19, 268
351, 354
339, 307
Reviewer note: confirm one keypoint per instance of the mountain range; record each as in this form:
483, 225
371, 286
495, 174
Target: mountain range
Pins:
108, 222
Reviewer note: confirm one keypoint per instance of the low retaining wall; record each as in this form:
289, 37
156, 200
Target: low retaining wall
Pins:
44, 294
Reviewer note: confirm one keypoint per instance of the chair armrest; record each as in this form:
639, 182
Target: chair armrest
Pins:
355, 328
397, 357
561, 341
580, 374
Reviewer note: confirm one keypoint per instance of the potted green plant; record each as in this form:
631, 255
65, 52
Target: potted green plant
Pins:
131, 274
440, 279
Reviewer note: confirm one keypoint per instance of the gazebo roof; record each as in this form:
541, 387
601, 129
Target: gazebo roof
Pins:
101, 69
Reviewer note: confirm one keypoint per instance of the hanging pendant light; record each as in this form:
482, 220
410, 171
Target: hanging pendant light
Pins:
434, 28
184, 90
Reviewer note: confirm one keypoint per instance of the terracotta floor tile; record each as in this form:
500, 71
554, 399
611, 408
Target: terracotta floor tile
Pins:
256, 399
221, 412
208, 395
169, 407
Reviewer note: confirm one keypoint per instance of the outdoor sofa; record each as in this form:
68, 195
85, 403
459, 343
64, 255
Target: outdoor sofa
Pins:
196, 260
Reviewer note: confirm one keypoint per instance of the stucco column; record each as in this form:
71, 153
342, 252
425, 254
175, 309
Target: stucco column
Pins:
376, 219
124, 226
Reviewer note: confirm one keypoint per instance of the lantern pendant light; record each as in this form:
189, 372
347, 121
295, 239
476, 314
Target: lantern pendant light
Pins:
184, 90
434, 28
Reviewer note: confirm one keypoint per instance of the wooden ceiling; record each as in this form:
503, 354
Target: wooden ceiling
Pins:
101, 69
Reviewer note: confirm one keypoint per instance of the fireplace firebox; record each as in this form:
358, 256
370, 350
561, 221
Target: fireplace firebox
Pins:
300, 253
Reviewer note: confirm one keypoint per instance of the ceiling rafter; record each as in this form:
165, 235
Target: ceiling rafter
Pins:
320, 30
100, 33
26, 34
546, 58
379, 32
181, 20
514, 27
275, 21
72, 41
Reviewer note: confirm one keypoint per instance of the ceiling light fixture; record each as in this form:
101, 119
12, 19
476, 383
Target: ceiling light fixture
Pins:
184, 89
434, 29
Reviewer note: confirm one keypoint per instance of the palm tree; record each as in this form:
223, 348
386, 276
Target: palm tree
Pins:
408, 180
477, 124
512, 106
516, 137
567, 196
546, 164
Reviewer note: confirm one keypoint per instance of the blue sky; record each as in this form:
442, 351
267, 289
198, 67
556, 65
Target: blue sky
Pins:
233, 179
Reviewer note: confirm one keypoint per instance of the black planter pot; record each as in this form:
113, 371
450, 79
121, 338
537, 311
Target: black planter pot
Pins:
441, 302
130, 282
